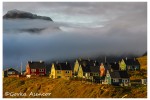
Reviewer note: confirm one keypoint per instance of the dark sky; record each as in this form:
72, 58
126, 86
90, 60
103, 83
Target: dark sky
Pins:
87, 30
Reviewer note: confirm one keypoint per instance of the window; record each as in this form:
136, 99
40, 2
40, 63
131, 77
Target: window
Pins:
96, 74
41, 70
11, 72
67, 71
58, 76
33, 70
124, 80
58, 72
115, 80
41, 74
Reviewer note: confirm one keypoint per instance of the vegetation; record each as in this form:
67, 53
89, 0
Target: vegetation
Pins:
60, 88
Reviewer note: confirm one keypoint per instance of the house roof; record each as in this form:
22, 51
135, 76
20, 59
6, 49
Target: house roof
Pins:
94, 69
114, 66
11, 69
36, 64
89, 65
124, 74
48, 68
62, 66
119, 74
86, 68
88, 62
132, 61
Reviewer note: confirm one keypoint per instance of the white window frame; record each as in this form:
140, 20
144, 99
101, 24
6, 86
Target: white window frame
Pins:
33, 70
58, 72
11, 72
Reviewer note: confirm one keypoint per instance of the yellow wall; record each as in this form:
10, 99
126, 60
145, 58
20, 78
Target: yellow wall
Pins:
62, 73
53, 74
66, 75
80, 72
76, 66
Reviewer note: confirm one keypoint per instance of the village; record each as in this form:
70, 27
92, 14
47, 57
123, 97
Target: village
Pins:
85, 70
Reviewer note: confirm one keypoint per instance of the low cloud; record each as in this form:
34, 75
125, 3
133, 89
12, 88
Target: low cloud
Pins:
126, 33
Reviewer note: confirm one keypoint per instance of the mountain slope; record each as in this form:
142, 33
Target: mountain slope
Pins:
14, 14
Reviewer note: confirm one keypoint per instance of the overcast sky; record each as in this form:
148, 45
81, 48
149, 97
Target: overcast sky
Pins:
87, 29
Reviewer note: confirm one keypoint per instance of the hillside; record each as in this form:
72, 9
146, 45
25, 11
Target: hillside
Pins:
143, 62
138, 75
60, 88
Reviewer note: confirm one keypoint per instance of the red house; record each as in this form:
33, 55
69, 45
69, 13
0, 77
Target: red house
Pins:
37, 68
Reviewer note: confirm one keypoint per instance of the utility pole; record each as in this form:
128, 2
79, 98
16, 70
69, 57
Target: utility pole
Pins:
21, 68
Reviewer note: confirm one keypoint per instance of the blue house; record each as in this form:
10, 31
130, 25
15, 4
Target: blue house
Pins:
117, 78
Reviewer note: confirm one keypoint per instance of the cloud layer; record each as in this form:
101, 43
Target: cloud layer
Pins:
87, 30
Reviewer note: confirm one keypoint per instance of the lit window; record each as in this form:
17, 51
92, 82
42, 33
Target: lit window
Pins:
33, 70
58, 72
115, 80
11, 72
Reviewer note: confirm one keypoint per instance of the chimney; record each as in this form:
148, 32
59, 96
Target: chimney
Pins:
105, 59
115, 62
88, 59
31, 61
94, 64
40, 61
56, 62
21, 68
126, 58
66, 62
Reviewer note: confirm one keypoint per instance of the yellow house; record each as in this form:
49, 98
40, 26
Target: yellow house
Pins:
61, 70
76, 68
122, 65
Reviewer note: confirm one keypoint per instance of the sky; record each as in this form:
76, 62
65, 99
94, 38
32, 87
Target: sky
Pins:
79, 29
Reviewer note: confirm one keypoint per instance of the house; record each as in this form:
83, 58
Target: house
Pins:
103, 68
48, 69
144, 81
130, 64
36, 68
84, 72
61, 70
117, 78
11, 72
83, 63
78, 63
76, 67
88, 68
91, 72
122, 65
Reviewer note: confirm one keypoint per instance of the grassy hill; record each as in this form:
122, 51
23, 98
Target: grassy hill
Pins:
143, 62
60, 88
